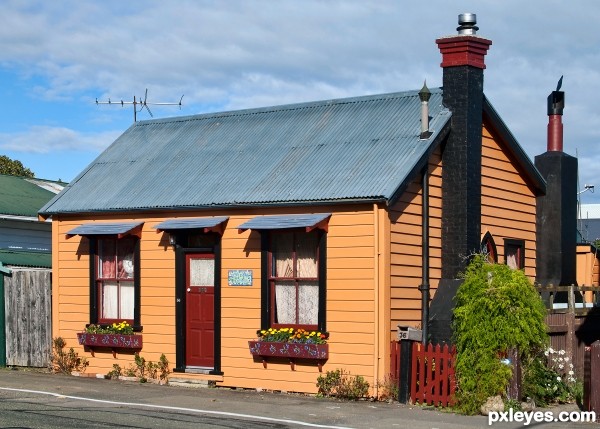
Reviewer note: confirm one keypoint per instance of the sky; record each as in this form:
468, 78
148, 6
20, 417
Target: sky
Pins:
58, 57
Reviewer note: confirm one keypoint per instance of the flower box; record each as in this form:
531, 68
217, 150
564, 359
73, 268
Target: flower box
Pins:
293, 351
112, 341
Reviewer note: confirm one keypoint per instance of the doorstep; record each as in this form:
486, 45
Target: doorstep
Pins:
193, 380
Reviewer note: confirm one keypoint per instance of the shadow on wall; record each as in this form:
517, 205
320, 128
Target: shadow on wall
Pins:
589, 330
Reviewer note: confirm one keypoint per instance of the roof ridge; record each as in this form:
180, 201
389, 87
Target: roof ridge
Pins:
284, 107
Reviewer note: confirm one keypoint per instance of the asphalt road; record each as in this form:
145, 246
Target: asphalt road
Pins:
30, 399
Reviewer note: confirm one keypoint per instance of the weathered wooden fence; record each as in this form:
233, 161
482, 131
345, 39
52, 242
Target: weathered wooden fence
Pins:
433, 375
28, 313
573, 320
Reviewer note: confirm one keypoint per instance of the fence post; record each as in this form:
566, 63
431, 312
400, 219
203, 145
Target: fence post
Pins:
514, 386
407, 336
2, 323
405, 371
591, 390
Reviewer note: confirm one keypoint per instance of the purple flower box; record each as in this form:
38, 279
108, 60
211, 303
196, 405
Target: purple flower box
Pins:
289, 350
113, 341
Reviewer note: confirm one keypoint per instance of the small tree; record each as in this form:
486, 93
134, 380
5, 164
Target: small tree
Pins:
13, 167
497, 309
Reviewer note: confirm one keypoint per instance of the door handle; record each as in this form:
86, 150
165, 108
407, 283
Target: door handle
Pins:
189, 289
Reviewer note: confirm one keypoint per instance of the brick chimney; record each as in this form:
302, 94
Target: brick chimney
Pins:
463, 61
556, 215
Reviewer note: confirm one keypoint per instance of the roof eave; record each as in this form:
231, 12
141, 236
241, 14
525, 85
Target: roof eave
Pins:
316, 203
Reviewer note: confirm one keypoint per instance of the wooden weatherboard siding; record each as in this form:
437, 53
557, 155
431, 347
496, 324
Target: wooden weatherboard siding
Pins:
351, 296
406, 247
588, 266
507, 201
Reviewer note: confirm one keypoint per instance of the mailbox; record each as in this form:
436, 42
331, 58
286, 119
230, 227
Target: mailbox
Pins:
408, 333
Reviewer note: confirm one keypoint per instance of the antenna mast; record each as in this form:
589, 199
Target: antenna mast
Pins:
143, 104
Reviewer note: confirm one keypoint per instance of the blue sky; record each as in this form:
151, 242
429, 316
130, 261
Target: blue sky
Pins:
56, 58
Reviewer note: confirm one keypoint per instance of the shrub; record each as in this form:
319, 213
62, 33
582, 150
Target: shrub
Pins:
339, 384
145, 370
116, 372
497, 309
388, 388
66, 362
549, 377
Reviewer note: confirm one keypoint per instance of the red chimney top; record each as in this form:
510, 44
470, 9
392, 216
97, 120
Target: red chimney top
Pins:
466, 49
556, 104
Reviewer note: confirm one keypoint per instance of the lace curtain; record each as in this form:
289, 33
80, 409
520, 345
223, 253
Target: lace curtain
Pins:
513, 257
297, 301
202, 272
511, 261
116, 265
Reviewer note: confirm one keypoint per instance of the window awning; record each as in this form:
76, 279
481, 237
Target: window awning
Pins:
308, 221
113, 228
207, 224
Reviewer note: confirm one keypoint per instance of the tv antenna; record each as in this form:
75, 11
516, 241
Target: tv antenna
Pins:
141, 103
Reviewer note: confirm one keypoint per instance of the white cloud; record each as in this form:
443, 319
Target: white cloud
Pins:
45, 139
240, 54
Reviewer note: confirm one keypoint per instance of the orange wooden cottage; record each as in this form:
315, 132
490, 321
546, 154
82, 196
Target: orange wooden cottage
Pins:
340, 216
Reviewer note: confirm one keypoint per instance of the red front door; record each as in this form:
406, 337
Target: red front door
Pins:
200, 310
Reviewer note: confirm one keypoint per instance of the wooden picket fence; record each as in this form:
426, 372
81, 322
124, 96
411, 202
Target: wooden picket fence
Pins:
433, 379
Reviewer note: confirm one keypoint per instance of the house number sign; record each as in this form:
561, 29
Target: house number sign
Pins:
240, 278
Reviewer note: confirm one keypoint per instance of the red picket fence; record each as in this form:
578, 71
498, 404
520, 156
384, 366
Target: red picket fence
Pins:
432, 376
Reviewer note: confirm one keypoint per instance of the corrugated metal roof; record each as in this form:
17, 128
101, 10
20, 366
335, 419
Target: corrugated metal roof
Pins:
95, 228
20, 258
284, 221
20, 197
355, 149
195, 223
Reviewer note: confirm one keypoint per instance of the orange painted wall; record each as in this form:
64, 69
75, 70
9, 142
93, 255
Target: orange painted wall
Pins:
406, 247
356, 293
507, 201
588, 270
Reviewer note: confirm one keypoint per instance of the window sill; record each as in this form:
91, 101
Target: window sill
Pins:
293, 351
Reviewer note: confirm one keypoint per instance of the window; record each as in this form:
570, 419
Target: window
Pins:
488, 247
514, 253
115, 280
296, 287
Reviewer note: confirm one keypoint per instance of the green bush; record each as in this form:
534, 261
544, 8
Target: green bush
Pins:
143, 370
497, 309
339, 384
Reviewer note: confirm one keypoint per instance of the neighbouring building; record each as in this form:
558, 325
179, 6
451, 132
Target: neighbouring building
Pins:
588, 256
342, 216
25, 244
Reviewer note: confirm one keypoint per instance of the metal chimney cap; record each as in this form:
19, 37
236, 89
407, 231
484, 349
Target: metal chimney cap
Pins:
466, 24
